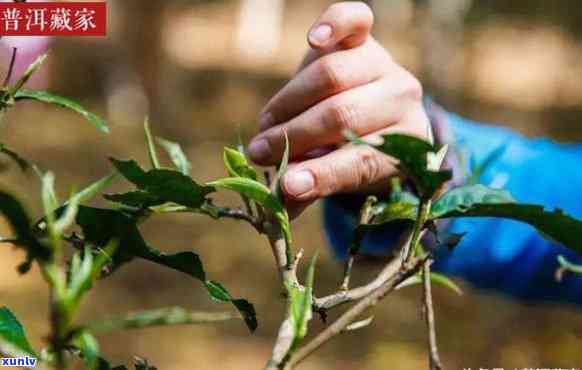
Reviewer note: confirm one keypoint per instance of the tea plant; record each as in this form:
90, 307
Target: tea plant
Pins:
74, 244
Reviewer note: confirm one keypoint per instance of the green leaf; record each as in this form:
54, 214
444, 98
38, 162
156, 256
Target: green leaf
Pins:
252, 189
435, 278
135, 199
46, 97
282, 168
21, 162
188, 263
12, 335
99, 226
89, 348
481, 201
413, 154
49, 198
151, 145
262, 195
402, 209
27, 74
131, 171
477, 169
20, 222
167, 185
237, 165
248, 311
464, 198
92, 190
177, 155
218, 291
387, 212
86, 269
67, 212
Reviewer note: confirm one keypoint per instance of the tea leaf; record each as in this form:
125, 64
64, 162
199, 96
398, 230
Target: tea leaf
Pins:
166, 185
89, 348
102, 225
402, 211
237, 165
248, 311
388, 212
136, 199
177, 155
46, 97
151, 145
218, 292
481, 201
32, 68
252, 189
413, 154
258, 192
92, 190
21, 224
435, 278
282, 168
12, 335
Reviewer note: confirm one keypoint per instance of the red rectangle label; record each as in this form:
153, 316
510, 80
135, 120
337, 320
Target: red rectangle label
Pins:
53, 19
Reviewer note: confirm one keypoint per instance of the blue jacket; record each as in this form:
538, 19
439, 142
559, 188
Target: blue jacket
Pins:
504, 255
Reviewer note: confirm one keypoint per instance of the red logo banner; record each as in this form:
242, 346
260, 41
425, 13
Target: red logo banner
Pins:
53, 19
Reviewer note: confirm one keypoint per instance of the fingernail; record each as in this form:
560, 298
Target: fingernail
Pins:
266, 121
259, 150
299, 183
320, 35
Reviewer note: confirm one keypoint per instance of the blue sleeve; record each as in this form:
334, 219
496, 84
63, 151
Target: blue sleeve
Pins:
497, 254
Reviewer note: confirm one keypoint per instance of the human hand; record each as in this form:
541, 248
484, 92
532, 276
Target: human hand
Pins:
347, 82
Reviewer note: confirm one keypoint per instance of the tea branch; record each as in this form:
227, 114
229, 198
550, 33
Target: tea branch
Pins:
346, 319
341, 297
428, 310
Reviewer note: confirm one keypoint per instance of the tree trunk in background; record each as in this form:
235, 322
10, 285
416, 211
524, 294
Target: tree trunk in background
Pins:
140, 49
441, 35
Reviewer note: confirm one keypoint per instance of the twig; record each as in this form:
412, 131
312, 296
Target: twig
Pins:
279, 247
346, 296
235, 214
434, 358
215, 212
10, 68
341, 297
365, 218
352, 314
418, 230
288, 274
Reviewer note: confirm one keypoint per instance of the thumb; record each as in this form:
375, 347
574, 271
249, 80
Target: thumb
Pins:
343, 25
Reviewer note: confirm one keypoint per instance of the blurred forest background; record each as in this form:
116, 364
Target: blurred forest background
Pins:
202, 70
